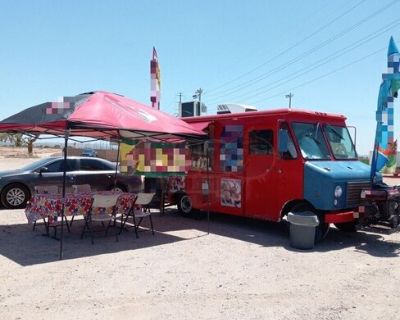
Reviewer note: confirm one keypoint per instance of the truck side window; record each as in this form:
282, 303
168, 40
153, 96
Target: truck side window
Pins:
311, 141
291, 152
261, 142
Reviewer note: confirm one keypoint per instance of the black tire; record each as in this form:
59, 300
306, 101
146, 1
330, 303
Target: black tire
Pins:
184, 204
15, 196
322, 229
346, 226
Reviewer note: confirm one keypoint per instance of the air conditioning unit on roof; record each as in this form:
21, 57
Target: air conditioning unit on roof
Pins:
234, 108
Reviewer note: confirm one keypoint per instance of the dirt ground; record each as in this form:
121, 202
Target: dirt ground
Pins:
20, 155
241, 270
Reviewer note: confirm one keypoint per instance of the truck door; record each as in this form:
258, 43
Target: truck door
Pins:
260, 172
289, 173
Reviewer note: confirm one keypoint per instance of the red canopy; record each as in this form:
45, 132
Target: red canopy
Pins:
101, 115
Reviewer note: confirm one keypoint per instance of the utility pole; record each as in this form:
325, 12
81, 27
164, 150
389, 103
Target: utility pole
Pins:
290, 96
197, 95
180, 105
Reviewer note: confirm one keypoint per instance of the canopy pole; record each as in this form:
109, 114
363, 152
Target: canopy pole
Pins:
116, 166
66, 134
208, 189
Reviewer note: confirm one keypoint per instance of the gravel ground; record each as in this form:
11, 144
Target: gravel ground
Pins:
241, 270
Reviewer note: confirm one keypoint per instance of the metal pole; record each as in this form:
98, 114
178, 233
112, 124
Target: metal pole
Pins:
200, 92
66, 134
289, 96
180, 105
116, 166
208, 190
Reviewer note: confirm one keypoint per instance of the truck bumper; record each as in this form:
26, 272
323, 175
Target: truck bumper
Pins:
341, 217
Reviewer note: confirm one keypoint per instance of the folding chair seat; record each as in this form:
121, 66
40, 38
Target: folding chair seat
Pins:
142, 210
103, 210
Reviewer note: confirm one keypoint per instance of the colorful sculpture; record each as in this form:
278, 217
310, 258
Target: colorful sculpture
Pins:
384, 139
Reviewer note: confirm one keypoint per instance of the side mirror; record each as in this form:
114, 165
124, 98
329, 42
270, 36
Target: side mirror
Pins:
283, 140
43, 169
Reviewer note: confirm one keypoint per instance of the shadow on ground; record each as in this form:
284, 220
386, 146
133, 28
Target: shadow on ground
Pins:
369, 241
26, 247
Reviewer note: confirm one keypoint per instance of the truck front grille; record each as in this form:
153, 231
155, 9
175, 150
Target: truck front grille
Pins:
354, 191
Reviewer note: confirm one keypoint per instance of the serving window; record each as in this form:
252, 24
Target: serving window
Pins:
201, 154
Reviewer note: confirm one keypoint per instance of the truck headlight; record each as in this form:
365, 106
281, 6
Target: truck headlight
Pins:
338, 191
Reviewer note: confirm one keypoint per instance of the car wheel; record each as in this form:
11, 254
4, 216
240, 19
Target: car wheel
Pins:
15, 196
185, 205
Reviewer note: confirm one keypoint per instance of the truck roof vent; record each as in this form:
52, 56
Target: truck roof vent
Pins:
234, 108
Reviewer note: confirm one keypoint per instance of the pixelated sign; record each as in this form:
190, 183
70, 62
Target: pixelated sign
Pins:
231, 155
154, 158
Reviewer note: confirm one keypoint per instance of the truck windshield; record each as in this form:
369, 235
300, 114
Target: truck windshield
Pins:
311, 141
341, 144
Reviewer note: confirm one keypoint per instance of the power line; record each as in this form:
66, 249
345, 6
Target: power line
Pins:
284, 80
306, 53
296, 44
323, 75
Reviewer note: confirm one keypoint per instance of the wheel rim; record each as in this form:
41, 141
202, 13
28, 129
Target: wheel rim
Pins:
186, 204
15, 197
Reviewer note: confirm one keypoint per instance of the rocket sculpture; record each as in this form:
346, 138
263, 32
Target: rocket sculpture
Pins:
385, 145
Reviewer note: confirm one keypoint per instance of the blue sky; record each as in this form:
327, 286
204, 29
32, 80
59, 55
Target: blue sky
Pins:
329, 54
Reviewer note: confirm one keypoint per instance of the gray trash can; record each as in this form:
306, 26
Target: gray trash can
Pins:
302, 229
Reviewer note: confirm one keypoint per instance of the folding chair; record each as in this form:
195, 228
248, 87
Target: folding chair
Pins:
125, 207
103, 210
77, 189
142, 210
44, 189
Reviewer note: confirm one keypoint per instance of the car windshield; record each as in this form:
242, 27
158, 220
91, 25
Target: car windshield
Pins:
311, 141
340, 141
37, 164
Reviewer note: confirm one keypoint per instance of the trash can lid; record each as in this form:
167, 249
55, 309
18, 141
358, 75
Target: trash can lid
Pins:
305, 218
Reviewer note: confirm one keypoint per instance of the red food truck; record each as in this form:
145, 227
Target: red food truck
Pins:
265, 164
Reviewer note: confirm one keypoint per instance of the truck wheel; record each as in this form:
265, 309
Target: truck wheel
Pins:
346, 226
15, 196
185, 204
322, 229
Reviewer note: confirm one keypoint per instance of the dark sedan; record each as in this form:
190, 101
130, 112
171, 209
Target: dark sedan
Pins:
17, 186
